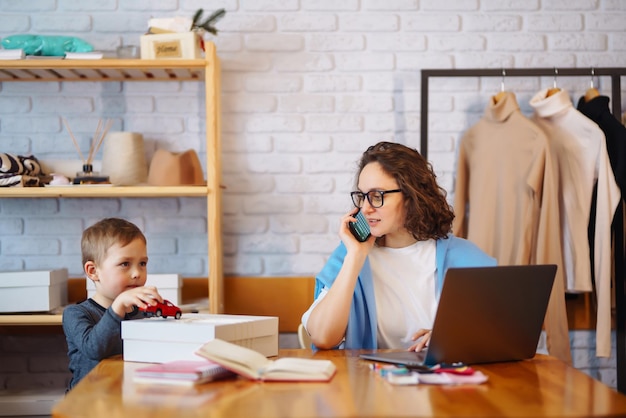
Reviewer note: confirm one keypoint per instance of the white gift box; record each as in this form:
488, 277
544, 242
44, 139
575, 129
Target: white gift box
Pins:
185, 45
159, 340
168, 285
33, 291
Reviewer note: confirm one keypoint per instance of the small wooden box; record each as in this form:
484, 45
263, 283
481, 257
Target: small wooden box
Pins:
187, 45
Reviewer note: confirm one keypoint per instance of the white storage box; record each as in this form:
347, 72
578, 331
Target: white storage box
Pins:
33, 291
168, 285
185, 45
158, 340
29, 402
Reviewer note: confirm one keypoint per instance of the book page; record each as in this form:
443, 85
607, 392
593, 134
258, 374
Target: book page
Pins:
239, 359
299, 369
297, 365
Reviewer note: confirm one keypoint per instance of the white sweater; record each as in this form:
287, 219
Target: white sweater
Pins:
506, 201
578, 147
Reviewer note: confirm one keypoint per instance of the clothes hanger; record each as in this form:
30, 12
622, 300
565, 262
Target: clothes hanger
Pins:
592, 92
501, 93
554, 88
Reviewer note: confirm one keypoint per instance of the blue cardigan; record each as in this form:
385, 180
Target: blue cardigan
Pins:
362, 328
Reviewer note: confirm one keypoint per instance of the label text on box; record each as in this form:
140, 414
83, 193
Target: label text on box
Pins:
168, 49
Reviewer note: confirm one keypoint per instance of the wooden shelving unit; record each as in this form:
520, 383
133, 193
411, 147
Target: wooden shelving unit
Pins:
202, 70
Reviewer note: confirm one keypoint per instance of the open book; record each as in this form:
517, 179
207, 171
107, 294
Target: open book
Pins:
181, 372
254, 365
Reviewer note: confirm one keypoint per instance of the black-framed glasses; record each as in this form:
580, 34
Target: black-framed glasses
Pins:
375, 197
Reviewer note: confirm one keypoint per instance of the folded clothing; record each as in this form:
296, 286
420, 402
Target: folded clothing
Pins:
8, 180
19, 171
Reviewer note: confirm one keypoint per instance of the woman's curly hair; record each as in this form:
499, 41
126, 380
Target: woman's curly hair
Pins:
428, 214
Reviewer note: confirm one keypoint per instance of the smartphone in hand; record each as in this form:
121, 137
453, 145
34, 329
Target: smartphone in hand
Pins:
360, 229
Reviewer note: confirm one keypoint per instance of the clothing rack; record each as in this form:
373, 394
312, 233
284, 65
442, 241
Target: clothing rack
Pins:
618, 225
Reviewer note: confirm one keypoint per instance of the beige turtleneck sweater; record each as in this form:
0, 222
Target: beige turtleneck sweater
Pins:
506, 201
579, 154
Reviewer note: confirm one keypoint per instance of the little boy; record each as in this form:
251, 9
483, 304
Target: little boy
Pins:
115, 258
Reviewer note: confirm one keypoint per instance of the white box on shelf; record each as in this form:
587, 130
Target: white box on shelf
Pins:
159, 340
33, 291
184, 45
29, 402
169, 286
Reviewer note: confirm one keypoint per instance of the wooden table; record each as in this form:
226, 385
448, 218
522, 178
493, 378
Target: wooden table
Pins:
543, 386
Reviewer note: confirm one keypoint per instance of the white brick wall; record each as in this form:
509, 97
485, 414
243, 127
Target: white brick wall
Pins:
307, 85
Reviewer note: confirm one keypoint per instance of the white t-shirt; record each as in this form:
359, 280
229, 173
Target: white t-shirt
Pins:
404, 285
404, 288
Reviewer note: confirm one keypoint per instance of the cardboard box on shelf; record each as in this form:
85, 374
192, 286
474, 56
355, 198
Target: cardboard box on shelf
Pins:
185, 45
169, 286
33, 291
158, 340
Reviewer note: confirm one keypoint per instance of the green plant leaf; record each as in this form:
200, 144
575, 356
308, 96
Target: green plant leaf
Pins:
196, 18
208, 23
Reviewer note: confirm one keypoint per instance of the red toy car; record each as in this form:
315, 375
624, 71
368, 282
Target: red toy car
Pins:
164, 309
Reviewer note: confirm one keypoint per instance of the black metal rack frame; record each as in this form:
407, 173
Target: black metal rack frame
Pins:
618, 225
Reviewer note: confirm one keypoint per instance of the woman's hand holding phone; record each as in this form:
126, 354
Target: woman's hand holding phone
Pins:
360, 229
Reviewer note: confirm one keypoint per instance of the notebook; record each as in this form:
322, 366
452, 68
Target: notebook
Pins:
485, 315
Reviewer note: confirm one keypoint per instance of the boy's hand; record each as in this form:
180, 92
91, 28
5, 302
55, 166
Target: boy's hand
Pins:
141, 297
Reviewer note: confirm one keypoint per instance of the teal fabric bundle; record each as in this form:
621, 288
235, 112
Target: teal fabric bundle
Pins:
44, 45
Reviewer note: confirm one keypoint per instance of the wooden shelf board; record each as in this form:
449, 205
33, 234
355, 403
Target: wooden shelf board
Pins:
30, 319
106, 69
105, 191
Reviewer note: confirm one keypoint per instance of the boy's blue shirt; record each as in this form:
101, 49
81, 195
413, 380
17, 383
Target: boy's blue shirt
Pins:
361, 332
92, 334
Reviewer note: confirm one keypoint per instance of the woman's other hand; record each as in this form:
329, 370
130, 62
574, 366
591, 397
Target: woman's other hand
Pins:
422, 337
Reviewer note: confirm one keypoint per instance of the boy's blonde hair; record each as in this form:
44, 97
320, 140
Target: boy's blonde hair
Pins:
102, 235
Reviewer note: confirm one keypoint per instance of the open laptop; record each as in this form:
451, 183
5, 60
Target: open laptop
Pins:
485, 315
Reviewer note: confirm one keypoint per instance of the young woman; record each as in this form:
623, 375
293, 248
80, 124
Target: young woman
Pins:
383, 293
